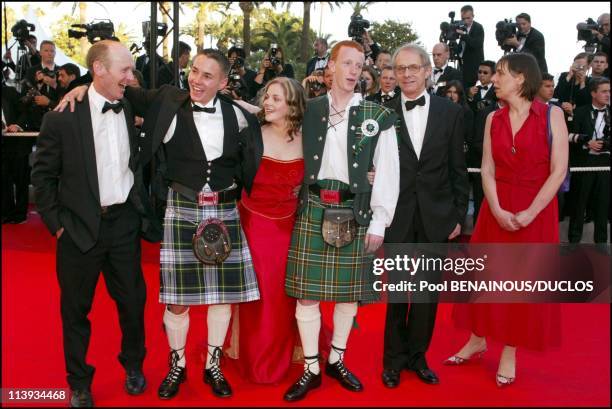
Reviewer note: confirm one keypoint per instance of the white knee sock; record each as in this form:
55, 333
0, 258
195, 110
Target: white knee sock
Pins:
177, 326
309, 324
344, 314
218, 320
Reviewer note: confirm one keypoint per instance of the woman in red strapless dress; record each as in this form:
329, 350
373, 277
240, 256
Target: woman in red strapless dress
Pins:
266, 328
521, 177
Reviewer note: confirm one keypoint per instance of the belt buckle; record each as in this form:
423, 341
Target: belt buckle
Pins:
208, 198
330, 196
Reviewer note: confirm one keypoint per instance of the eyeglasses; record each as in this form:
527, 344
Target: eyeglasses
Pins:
412, 69
484, 72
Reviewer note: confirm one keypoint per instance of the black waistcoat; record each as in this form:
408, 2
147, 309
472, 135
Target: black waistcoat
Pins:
186, 160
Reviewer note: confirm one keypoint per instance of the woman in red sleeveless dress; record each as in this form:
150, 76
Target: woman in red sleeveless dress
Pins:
521, 176
267, 329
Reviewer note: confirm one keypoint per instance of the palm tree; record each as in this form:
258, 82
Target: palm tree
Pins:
283, 30
204, 10
247, 8
360, 6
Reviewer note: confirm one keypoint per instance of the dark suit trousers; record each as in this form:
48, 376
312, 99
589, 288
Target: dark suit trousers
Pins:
15, 183
593, 189
117, 255
409, 326
478, 193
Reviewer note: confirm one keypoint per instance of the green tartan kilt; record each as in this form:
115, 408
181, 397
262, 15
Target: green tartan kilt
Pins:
318, 271
184, 280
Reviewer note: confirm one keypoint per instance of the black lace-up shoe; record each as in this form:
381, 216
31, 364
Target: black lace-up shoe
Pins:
299, 389
220, 387
340, 372
176, 376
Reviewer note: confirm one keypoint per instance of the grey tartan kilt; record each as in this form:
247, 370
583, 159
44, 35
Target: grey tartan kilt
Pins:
184, 280
318, 271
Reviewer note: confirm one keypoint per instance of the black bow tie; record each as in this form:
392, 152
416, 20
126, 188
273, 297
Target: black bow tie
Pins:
411, 104
197, 108
438, 70
115, 107
599, 111
321, 58
485, 87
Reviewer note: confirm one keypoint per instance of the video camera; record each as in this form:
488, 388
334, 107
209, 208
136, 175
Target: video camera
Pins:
503, 30
357, 28
450, 37
162, 28
21, 30
585, 34
102, 30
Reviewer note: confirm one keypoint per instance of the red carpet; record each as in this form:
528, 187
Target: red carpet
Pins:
578, 374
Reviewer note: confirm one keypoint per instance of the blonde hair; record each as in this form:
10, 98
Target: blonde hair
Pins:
98, 52
296, 103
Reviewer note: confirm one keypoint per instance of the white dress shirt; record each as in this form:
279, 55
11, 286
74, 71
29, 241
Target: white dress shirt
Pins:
483, 91
385, 191
112, 146
210, 129
522, 41
598, 131
416, 121
436, 77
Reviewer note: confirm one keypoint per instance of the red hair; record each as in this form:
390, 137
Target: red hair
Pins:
345, 43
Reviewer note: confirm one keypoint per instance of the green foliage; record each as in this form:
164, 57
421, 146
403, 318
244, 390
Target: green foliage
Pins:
391, 34
11, 20
70, 46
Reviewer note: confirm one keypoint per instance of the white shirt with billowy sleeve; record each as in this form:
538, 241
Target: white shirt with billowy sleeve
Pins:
385, 191
112, 147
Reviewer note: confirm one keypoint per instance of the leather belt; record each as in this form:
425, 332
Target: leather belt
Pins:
204, 198
338, 195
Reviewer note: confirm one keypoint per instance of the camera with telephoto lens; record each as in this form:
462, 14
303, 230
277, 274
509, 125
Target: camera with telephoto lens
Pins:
102, 30
504, 30
450, 37
21, 31
482, 104
585, 34
357, 28
32, 92
274, 60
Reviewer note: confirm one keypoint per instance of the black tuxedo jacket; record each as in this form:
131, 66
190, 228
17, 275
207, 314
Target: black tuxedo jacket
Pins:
377, 97
311, 64
473, 54
582, 123
65, 176
159, 106
166, 76
490, 97
11, 107
437, 181
449, 74
534, 44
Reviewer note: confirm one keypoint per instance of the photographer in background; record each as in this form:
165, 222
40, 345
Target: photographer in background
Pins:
591, 133
383, 59
41, 92
27, 60
314, 84
319, 61
442, 72
529, 40
572, 88
166, 73
237, 60
483, 95
66, 76
603, 35
472, 43
272, 66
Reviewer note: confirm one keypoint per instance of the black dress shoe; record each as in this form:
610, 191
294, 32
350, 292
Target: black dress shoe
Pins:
427, 376
307, 382
391, 378
135, 382
170, 386
81, 398
344, 376
220, 387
